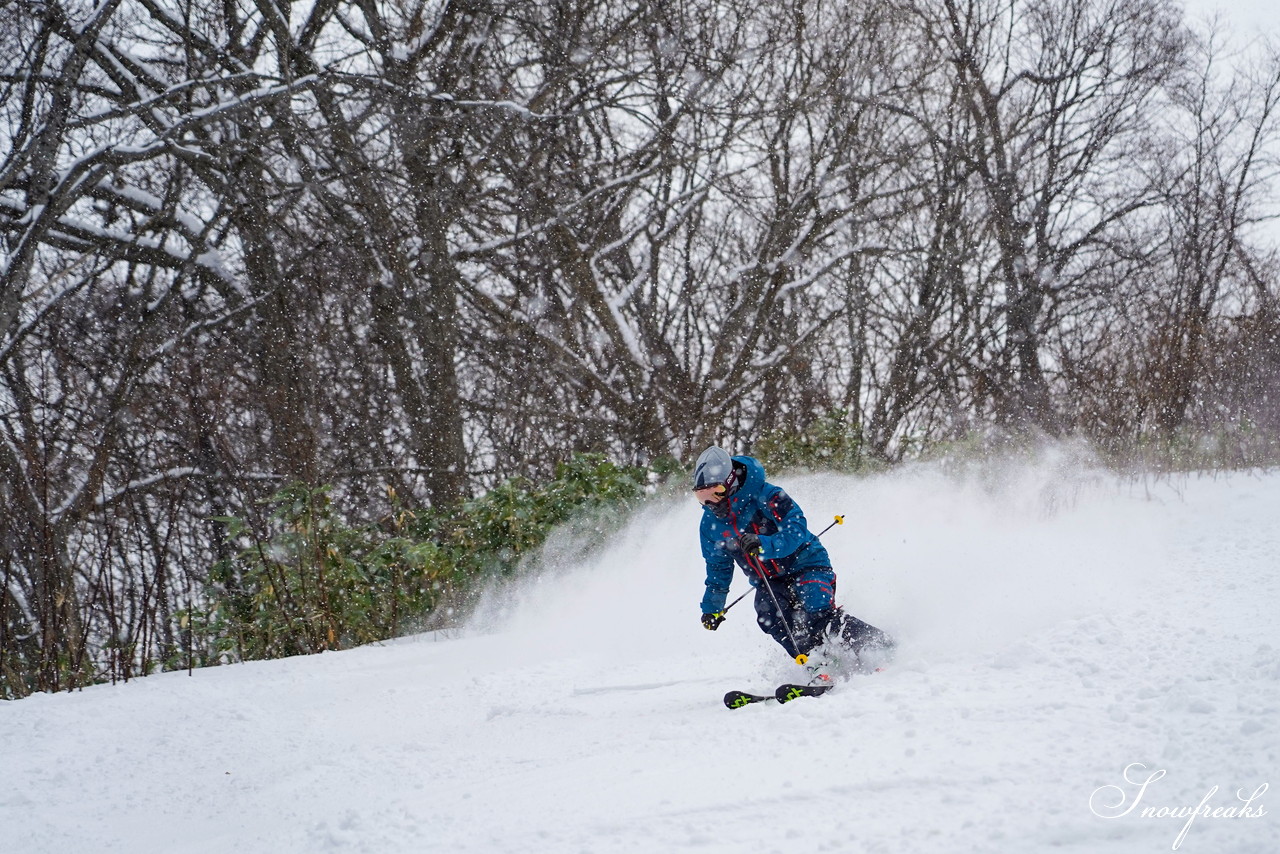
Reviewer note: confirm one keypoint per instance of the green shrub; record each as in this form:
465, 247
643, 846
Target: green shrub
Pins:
832, 442
493, 533
311, 582
316, 583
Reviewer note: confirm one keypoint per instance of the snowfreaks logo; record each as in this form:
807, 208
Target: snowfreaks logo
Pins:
1115, 802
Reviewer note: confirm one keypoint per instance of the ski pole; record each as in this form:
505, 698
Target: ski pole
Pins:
839, 520
734, 602
801, 658
758, 566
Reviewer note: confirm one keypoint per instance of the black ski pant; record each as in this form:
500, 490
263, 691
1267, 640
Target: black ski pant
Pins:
810, 617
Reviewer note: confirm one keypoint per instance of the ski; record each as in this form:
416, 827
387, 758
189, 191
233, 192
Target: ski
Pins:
738, 699
783, 694
787, 693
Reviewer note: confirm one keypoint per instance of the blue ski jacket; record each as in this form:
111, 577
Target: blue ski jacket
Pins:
787, 547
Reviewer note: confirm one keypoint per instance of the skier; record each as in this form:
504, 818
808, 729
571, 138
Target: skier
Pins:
756, 525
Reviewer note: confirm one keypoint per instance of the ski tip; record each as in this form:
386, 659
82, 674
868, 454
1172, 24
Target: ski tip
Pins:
738, 699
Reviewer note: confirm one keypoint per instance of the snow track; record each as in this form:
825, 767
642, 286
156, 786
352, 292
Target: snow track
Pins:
1056, 627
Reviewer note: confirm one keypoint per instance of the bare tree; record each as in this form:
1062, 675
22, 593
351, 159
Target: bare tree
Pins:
414, 247
1060, 94
1217, 172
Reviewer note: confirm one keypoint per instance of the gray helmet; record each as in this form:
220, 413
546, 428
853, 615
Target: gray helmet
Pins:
713, 467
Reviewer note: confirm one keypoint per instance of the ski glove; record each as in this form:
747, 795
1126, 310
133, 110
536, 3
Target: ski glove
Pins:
747, 542
711, 622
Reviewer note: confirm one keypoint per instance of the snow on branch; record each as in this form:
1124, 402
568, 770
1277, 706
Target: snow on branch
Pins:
181, 473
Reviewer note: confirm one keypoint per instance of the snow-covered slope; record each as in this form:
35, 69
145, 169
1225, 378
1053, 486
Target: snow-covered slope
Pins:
1056, 628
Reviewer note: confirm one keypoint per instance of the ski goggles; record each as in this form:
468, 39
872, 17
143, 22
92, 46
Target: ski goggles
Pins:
709, 495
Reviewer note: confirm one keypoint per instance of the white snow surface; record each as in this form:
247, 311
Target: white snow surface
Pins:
1056, 627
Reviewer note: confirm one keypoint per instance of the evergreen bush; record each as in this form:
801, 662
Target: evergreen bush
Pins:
312, 582
832, 442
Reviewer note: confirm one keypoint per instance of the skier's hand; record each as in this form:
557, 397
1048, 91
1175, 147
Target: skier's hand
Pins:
747, 542
711, 622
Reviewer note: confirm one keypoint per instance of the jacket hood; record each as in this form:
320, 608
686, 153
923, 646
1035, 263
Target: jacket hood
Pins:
755, 475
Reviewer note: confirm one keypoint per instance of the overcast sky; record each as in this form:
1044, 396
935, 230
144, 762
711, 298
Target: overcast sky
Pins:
1246, 17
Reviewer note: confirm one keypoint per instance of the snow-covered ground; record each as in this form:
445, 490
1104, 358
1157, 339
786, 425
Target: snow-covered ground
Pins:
1056, 627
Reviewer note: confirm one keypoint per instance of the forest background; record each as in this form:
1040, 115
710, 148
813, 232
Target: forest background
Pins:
316, 315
